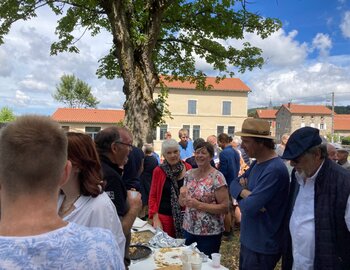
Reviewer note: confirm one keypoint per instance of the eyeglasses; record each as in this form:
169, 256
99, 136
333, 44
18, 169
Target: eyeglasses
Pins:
127, 144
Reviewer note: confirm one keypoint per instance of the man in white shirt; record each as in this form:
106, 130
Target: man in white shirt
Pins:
318, 220
33, 167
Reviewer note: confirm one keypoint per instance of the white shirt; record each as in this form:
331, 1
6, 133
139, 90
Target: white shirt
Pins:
302, 223
97, 212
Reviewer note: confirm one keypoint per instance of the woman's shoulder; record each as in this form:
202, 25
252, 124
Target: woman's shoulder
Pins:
101, 203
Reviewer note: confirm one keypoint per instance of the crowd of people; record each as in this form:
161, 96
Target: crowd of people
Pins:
69, 202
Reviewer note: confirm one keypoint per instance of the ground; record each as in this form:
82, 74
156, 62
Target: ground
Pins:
230, 253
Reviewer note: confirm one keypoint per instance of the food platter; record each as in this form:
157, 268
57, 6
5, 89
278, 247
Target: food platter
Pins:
141, 237
138, 252
168, 257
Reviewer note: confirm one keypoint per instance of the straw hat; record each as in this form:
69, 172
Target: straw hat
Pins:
255, 128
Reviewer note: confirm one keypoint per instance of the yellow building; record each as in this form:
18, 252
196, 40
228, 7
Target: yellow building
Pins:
223, 108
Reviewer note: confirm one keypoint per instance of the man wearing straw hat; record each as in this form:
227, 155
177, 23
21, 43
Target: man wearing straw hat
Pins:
261, 193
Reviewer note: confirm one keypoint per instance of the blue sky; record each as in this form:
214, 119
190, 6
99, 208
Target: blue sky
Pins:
306, 60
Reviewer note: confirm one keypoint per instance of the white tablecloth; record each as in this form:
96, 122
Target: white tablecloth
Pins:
149, 264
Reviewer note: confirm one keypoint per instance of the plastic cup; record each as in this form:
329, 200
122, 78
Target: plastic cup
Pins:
196, 262
133, 193
215, 257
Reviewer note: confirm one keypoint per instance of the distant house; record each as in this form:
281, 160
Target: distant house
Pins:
223, 108
291, 117
342, 124
89, 121
269, 115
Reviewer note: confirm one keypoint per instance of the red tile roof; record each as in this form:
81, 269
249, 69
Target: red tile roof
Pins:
88, 115
307, 109
342, 122
266, 114
227, 84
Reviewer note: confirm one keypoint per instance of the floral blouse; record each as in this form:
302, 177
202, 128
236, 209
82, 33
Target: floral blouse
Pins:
198, 222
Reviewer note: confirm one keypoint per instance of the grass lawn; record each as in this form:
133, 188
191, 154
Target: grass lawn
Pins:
230, 253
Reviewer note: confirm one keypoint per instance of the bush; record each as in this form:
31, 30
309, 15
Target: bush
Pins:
345, 140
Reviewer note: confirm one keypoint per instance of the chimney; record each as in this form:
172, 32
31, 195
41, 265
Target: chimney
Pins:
289, 105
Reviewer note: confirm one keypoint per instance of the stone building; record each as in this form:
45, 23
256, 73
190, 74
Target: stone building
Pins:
291, 117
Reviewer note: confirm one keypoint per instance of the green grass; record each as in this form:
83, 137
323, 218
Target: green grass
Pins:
230, 253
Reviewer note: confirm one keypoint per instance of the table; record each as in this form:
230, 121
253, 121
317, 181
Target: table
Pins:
148, 263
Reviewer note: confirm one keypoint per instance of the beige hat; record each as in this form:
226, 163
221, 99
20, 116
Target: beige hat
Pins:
255, 128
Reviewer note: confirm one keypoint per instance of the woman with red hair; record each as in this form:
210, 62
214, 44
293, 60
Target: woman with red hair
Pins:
82, 200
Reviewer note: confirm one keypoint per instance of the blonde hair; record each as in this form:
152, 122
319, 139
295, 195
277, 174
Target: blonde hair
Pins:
33, 153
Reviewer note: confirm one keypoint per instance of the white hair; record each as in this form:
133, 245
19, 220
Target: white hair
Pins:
170, 143
237, 140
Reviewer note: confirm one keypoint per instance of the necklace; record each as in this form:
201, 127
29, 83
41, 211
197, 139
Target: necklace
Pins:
63, 211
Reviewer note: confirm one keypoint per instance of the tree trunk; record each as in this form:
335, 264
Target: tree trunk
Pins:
139, 106
136, 65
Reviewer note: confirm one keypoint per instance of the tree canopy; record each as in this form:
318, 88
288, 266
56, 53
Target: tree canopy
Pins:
6, 115
152, 38
74, 93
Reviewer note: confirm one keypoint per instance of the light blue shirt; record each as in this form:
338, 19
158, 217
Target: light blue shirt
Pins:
69, 247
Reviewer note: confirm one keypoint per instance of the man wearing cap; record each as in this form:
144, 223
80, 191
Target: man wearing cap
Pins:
318, 216
342, 155
261, 193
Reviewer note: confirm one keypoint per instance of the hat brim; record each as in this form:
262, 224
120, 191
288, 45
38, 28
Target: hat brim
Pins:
242, 134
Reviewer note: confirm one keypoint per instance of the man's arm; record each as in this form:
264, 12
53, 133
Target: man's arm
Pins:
135, 205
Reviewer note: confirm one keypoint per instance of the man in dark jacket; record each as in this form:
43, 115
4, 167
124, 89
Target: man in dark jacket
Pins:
114, 145
318, 217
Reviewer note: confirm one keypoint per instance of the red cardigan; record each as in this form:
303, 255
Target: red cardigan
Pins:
155, 194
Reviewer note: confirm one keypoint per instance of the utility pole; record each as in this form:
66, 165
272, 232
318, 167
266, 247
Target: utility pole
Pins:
332, 131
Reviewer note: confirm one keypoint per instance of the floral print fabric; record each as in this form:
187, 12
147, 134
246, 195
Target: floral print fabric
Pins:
198, 222
70, 247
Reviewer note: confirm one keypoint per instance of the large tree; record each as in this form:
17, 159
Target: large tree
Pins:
75, 93
152, 37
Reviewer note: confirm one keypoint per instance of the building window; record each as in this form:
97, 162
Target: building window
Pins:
322, 126
278, 125
231, 131
219, 130
192, 107
65, 128
162, 130
196, 132
226, 108
92, 131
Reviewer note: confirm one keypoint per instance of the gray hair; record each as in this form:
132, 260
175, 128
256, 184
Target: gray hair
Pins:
170, 143
237, 140
323, 150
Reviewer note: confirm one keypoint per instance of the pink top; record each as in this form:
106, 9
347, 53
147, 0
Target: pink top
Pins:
198, 222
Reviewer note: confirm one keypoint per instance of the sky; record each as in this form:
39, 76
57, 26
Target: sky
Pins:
306, 60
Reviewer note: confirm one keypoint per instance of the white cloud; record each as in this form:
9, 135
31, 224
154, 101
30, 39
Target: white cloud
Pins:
32, 85
310, 83
345, 25
281, 48
22, 98
323, 43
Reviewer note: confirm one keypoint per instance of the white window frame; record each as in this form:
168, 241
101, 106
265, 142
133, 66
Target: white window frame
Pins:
222, 108
161, 130
93, 133
223, 129
193, 132
188, 106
